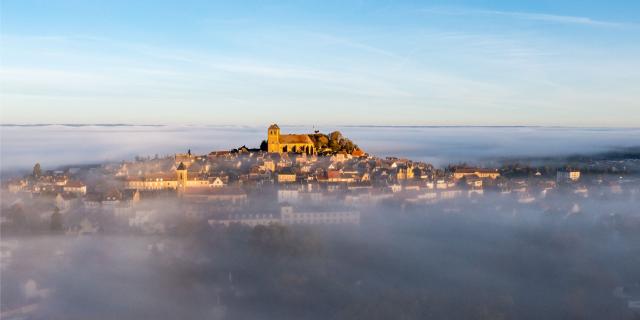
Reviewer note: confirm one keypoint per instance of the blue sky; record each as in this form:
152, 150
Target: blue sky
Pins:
565, 63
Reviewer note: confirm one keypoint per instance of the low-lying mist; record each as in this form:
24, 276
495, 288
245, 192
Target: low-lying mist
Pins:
562, 256
488, 258
22, 146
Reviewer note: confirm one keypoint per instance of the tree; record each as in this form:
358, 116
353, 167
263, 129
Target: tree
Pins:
56, 221
37, 171
335, 136
320, 140
323, 141
334, 145
347, 145
264, 146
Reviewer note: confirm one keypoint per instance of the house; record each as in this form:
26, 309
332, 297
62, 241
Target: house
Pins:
198, 183
111, 197
216, 182
290, 216
404, 172
233, 195
268, 165
65, 201
358, 153
75, 187
302, 159
473, 182
213, 155
567, 175
334, 175
288, 195
60, 180
157, 181
16, 186
442, 184
92, 200
248, 219
450, 194
186, 158
460, 173
340, 157
286, 176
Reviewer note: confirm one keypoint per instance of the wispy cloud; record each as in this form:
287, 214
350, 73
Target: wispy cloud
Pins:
149, 69
562, 19
332, 39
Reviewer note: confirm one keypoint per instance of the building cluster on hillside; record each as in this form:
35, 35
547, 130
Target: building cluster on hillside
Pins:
290, 182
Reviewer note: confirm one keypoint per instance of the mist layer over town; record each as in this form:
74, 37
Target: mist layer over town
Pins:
486, 260
56, 145
318, 159
402, 232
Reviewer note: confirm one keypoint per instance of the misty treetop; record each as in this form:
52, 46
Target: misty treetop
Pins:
333, 142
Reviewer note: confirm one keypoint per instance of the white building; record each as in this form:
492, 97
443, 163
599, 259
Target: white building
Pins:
568, 175
288, 195
248, 219
75, 187
289, 216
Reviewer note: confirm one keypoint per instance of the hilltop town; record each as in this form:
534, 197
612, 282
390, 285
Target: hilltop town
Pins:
309, 217
290, 179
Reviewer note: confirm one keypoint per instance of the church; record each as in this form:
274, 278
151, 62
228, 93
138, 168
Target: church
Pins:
279, 143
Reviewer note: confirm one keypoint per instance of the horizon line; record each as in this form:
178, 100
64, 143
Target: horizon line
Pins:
310, 125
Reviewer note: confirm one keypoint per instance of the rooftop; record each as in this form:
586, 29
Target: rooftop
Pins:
295, 138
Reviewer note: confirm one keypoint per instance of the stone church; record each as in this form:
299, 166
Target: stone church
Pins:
279, 143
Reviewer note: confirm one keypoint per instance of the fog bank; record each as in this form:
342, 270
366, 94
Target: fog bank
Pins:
491, 259
22, 146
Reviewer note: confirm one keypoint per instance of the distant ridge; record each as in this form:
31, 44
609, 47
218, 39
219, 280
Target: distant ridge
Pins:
301, 125
479, 126
82, 125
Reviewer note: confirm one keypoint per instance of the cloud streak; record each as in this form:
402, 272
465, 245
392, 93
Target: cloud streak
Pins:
545, 17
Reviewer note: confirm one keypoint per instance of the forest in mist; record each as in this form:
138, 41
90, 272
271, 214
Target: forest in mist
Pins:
488, 259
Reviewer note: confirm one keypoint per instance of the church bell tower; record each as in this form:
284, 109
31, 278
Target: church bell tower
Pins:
273, 138
181, 172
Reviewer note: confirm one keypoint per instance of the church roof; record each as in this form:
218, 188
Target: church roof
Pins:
274, 126
181, 166
295, 138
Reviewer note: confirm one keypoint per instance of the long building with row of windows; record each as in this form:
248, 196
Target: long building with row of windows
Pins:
290, 216
179, 181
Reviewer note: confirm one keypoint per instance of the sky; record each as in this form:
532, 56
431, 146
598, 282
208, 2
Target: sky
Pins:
548, 63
